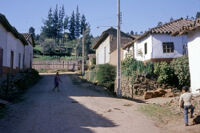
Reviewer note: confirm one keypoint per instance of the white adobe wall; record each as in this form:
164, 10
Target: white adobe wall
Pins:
28, 56
194, 59
139, 46
127, 52
100, 52
155, 46
158, 39
11, 46
9, 43
17, 47
20, 49
3, 44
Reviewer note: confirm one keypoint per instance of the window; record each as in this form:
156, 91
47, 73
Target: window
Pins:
168, 47
145, 48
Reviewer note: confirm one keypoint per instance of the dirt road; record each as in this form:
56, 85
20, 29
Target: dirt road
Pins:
73, 110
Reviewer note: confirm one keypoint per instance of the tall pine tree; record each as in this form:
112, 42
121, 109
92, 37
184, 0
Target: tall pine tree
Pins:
32, 31
61, 19
72, 26
83, 24
47, 29
77, 25
55, 23
66, 23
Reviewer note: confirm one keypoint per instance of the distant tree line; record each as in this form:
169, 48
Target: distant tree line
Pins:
61, 34
58, 23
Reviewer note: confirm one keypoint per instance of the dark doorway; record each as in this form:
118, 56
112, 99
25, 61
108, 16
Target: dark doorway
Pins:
11, 61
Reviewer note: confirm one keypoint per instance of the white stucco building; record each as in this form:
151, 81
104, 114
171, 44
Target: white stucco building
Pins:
12, 48
158, 44
193, 37
106, 46
28, 56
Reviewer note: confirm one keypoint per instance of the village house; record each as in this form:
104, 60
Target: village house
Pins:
106, 46
158, 44
128, 48
193, 36
12, 48
28, 50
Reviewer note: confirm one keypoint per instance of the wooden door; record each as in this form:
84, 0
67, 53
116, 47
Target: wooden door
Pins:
1, 61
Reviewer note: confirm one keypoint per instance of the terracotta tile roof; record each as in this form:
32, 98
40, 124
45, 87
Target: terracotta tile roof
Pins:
168, 28
29, 38
130, 42
4, 22
188, 28
113, 32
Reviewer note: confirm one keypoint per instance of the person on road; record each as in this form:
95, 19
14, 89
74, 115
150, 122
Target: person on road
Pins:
56, 82
185, 103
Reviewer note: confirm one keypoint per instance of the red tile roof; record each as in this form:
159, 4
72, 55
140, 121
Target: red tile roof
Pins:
188, 28
168, 28
125, 38
29, 38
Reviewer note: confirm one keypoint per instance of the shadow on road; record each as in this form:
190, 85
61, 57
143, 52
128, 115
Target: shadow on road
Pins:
101, 92
54, 112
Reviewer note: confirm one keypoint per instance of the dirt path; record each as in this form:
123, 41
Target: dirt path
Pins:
73, 110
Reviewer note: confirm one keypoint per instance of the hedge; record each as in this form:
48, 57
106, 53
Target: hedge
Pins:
106, 75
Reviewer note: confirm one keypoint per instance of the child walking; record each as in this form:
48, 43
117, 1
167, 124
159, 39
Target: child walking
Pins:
185, 103
56, 82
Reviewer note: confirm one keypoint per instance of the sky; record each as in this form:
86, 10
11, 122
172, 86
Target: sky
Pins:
137, 15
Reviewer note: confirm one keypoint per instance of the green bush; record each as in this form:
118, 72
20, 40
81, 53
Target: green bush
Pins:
132, 68
164, 72
91, 75
106, 75
181, 70
93, 61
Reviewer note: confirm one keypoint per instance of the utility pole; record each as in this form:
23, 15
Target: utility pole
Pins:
118, 50
83, 53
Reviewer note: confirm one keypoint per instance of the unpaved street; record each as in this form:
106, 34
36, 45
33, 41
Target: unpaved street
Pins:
73, 110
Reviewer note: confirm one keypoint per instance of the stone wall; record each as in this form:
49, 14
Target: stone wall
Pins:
140, 86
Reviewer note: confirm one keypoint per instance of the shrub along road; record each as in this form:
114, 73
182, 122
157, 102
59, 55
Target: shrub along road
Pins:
74, 109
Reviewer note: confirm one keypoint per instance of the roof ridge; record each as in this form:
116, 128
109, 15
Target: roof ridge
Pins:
167, 23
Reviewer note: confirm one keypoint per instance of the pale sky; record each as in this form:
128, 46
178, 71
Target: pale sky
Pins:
138, 15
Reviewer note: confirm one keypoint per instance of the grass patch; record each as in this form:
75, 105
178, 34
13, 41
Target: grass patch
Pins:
161, 114
38, 47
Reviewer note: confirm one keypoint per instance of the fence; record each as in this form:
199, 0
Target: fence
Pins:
61, 65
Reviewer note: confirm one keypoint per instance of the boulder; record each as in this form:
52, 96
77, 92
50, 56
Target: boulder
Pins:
196, 120
169, 94
152, 94
148, 95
